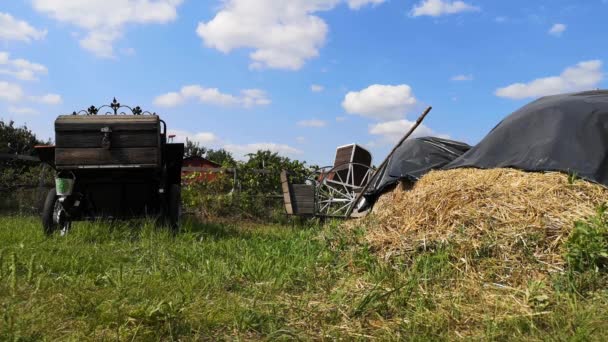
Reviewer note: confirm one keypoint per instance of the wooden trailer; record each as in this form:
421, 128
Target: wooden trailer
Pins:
112, 166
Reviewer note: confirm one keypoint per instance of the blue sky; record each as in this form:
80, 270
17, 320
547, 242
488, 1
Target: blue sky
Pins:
301, 76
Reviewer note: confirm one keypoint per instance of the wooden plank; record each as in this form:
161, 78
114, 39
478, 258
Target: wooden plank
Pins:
362, 156
303, 200
111, 119
66, 123
286, 193
343, 155
97, 126
305, 211
75, 139
100, 156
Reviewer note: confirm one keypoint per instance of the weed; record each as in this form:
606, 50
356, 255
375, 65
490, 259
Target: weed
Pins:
587, 245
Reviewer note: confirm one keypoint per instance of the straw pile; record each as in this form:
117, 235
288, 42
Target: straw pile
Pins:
508, 214
503, 231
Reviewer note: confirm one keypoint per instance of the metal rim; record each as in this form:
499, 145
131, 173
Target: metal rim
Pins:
338, 188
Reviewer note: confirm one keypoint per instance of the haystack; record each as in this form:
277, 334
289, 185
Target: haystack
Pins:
516, 217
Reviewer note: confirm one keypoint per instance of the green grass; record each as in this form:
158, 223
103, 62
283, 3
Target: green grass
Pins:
132, 281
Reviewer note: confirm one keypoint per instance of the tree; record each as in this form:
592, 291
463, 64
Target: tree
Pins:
193, 149
221, 156
19, 140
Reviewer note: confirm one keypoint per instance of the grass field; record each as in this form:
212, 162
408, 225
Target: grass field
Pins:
132, 282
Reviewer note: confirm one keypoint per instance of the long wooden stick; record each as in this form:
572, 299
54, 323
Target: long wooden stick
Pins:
407, 135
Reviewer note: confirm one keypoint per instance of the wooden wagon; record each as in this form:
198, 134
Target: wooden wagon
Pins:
112, 166
330, 191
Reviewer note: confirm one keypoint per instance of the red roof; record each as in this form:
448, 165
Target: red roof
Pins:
200, 161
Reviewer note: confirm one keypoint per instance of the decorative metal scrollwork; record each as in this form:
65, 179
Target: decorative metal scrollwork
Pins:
115, 108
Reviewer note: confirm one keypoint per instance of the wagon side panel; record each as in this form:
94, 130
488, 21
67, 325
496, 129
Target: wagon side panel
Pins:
107, 142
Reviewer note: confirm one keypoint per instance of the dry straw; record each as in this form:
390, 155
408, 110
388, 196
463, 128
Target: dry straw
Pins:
503, 229
510, 215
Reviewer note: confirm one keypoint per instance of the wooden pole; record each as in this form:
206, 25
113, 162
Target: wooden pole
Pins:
407, 135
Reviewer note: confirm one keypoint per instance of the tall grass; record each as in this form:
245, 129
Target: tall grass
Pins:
132, 281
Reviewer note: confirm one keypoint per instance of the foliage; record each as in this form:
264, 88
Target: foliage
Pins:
255, 194
587, 246
209, 197
17, 140
221, 156
193, 149
273, 163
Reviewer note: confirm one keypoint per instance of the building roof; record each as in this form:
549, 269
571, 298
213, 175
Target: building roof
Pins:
201, 159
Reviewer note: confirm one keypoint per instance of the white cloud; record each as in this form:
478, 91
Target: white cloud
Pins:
248, 97
50, 99
436, 8
241, 150
315, 88
204, 138
300, 140
557, 30
392, 131
14, 29
468, 77
382, 102
357, 4
20, 68
209, 139
312, 123
169, 100
22, 110
10, 92
282, 34
254, 97
104, 21
340, 118
583, 76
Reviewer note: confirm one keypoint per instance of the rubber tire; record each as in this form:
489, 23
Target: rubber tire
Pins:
48, 209
175, 207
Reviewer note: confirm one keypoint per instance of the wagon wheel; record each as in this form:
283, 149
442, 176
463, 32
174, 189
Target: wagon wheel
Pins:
53, 215
48, 209
338, 188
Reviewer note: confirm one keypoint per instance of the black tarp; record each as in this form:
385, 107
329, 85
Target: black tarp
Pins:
567, 133
412, 160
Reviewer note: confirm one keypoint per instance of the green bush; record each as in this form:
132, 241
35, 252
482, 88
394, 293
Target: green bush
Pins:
255, 195
587, 245
17, 140
208, 198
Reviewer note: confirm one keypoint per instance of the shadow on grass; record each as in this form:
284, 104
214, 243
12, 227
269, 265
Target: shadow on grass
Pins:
134, 230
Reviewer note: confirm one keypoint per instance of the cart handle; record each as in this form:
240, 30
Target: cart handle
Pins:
164, 126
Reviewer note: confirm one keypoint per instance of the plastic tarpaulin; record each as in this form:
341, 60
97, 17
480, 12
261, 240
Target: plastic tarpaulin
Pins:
567, 133
412, 160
